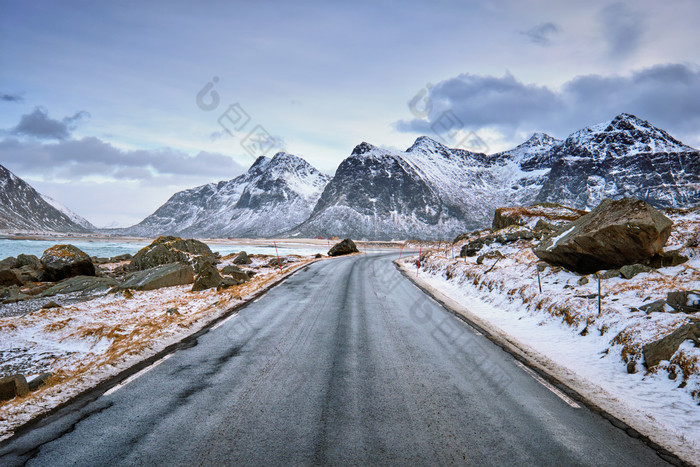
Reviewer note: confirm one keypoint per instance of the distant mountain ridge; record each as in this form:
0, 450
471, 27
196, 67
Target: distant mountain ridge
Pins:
428, 191
22, 208
271, 197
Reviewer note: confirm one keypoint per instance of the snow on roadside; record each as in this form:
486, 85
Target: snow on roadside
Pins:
562, 325
86, 343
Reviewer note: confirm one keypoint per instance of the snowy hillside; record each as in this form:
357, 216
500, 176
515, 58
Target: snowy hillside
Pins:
626, 156
22, 208
273, 196
429, 191
68, 213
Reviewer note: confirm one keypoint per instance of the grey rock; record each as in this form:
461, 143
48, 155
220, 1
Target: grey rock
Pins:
504, 236
39, 381
664, 348
684, 301
168, 249
583, 280
344, 247
85, 285
494, 254
29, 274
658, 306
629, 271
614, 234
9, 263
13, 386
167, 275
666, 259
9, 277
119, 258
208, 277
63, 261
242, 258
231, 269
29, 260
610, 274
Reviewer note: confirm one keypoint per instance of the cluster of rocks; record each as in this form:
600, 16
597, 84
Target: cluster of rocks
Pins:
167, 262
618, 239
17, 385
507, 235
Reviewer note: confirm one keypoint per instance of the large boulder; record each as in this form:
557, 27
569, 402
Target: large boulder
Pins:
84, 285
29, 274
345, 247
9, 263
62, 261
207, 278
664, 348
242, 258
12, 386
614, 234
236, 273
29, 260
166, 250
9, 277
167, 275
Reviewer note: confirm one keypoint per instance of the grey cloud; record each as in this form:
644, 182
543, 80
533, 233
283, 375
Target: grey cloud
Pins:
92, 157
39, 125
541, 34
662, 94
11, 97
622, 29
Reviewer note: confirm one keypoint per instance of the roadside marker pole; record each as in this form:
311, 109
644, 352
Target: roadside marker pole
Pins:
599, 300
420, 251
401, 252
539, 282
278, 256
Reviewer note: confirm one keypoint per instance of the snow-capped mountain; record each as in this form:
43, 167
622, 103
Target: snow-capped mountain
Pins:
272, 197
22, 208
626, 156
429, 191
70, 214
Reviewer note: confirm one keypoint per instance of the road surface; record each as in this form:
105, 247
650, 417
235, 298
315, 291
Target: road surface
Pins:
346, 362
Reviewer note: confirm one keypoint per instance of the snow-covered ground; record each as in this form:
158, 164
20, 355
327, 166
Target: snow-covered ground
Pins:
562, 329
85, 343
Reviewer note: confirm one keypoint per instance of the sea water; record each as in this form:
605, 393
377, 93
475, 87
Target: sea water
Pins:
108, 249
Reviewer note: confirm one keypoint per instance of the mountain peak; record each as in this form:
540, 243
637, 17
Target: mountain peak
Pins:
625, 134
259, 164
427, 143
363, 148
541, 139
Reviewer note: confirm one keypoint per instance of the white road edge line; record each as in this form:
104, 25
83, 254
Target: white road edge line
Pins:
136, 375
221, 323
544, 383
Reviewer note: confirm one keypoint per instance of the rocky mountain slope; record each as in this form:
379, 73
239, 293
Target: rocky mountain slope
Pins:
22, 208
624, 157
272, 197
429, 191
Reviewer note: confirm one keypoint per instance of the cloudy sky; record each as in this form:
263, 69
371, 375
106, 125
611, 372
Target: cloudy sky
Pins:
111, 107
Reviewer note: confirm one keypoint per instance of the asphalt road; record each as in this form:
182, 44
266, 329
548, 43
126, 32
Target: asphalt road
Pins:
345, 363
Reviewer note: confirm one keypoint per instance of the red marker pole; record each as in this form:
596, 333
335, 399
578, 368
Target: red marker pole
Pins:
401, 252
278, 256
420, 251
